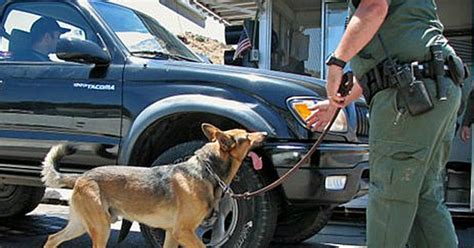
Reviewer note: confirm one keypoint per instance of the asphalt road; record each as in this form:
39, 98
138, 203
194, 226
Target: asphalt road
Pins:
32, 231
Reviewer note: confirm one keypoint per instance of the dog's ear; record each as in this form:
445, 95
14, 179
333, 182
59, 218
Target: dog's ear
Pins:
210, 131
226, 142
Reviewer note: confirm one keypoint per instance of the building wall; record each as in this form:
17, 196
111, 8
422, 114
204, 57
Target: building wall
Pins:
166, 12
455, 14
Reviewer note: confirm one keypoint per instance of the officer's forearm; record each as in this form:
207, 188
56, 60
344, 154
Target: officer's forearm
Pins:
362, 27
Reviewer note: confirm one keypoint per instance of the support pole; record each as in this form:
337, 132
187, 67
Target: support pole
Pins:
265, 36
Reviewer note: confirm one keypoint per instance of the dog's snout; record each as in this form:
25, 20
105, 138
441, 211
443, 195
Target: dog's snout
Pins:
259, 137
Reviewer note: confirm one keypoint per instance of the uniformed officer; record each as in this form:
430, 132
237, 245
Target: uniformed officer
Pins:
407, 151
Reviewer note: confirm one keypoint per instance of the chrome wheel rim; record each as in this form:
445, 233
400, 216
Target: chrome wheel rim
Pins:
217, 230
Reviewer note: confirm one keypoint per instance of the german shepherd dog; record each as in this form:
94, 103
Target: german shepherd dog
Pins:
176, 198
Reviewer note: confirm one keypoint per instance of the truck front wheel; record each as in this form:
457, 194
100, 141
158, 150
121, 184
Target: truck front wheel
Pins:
18, 200
299, 225
237, 223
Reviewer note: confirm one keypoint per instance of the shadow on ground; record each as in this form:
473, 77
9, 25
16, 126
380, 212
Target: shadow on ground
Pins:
32, 231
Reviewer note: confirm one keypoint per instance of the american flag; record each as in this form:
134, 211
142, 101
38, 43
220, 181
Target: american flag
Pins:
243, 46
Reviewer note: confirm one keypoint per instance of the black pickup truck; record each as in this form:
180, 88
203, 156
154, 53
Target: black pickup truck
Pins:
127, 91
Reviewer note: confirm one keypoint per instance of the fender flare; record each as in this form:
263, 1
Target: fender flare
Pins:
237, 111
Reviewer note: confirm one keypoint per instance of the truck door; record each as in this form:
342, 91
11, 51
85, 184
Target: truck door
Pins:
44, 100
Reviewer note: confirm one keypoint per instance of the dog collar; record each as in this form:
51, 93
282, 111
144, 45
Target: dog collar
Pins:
256, 162
225, 188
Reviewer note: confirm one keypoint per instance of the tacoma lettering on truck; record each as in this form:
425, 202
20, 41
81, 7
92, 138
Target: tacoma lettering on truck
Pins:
94, 86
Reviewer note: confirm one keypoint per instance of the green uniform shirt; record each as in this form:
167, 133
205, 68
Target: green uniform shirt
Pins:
410, 27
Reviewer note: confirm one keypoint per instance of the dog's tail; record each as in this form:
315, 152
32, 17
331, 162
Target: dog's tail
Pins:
50, 176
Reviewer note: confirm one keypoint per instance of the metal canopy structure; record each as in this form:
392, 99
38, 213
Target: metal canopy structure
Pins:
230, 12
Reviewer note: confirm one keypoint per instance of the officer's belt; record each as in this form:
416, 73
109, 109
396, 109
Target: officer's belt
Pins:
376, 80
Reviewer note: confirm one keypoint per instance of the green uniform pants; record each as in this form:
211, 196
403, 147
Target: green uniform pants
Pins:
407, 159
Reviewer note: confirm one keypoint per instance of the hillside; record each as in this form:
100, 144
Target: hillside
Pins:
211, 48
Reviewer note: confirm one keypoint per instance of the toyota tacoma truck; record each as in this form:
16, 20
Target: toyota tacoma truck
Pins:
126, 91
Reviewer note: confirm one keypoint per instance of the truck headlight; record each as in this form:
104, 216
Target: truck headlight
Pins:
300, 107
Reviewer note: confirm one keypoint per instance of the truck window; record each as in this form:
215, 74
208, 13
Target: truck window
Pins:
30, 31
141, 33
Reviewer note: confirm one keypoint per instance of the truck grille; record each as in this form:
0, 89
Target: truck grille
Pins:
362, 113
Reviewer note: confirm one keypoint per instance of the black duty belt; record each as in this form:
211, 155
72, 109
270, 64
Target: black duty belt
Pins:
420, 71
377, 79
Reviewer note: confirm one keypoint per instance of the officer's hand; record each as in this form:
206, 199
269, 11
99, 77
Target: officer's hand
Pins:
465, 133
334, 80
321, 115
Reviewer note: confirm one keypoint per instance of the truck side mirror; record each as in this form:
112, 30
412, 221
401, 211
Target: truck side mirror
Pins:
82, 51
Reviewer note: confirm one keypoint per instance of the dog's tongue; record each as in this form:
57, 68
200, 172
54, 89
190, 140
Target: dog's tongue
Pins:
256, 161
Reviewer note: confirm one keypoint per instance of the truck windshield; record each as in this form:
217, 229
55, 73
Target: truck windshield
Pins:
141, 34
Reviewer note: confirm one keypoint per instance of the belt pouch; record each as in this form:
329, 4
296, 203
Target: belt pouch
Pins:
414, 93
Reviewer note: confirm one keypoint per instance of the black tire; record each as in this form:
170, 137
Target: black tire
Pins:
256, 218
16, 200
299, 225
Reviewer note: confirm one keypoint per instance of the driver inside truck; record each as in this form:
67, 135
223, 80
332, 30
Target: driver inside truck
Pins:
44, 35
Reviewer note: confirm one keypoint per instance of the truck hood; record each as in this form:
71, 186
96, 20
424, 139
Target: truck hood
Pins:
247, 79
265, 92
